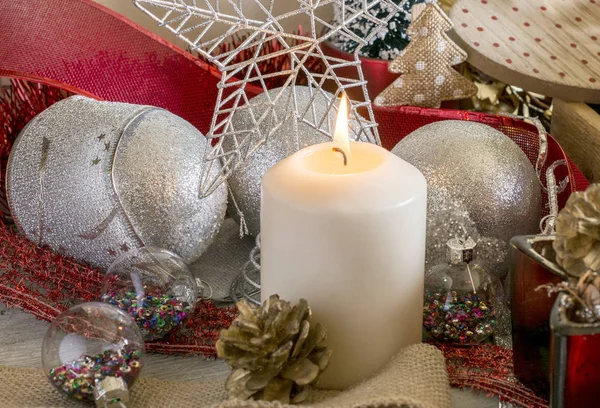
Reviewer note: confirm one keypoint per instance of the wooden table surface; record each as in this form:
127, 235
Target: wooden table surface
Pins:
21, 341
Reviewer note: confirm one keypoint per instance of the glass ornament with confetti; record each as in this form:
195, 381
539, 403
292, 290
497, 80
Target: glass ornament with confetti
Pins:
93, 352
460, 300
154, 286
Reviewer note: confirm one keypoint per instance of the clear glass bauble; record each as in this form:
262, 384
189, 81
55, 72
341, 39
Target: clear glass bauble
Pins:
152, 285
460, 303
88, 343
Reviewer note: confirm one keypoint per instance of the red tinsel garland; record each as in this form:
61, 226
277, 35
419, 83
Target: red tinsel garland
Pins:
488, 369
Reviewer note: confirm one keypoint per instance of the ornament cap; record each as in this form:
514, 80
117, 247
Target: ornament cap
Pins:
461, 250
111, 392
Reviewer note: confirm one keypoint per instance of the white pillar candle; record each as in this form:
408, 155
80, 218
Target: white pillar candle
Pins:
350, 239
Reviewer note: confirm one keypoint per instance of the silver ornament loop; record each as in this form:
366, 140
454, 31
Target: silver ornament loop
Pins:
553, 190
247, 283
200, 285
241, 218
547, 223
133, 234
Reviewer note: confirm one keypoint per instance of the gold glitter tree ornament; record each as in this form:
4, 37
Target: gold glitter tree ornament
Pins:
275, 351
426, 64
193, 21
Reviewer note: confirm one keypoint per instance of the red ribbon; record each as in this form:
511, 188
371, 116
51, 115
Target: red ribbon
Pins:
87, 49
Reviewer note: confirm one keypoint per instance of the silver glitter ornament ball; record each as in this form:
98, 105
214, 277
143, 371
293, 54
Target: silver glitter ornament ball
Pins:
95, 179
292, 135
482, 168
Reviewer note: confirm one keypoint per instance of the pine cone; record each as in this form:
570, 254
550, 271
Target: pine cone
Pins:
577, 243
274, 351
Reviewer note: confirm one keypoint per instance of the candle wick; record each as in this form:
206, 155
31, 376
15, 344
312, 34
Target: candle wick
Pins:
338, 150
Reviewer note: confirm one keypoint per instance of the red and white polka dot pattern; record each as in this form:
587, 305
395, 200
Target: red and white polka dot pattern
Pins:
553, 44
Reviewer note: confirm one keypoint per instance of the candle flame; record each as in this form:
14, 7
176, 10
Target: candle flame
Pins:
340, 134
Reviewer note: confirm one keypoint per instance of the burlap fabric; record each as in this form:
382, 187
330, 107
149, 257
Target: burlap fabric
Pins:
426, 64
416, 378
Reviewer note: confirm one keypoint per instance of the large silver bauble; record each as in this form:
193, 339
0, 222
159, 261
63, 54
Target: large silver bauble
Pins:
95, 179
482, 168
292, 135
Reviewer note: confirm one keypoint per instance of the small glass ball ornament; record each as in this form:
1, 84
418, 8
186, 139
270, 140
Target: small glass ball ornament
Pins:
93, 352
459, 298
154, 286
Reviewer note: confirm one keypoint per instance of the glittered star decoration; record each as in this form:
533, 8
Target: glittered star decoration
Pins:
195, 21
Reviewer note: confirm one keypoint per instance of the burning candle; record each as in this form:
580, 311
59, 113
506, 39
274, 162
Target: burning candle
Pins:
343, 226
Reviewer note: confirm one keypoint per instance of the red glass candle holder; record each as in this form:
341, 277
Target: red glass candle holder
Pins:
531, 266
575, 353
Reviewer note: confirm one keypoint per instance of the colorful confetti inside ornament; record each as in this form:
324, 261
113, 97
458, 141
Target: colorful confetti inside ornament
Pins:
94, 180
460, 298
154, 286
93, 352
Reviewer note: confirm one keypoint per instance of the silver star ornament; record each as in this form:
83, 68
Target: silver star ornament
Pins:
196, 21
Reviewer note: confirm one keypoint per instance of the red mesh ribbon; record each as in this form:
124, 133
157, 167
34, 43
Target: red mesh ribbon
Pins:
82, 47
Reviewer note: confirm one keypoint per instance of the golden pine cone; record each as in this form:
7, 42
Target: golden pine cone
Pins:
276, 354
577, 242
